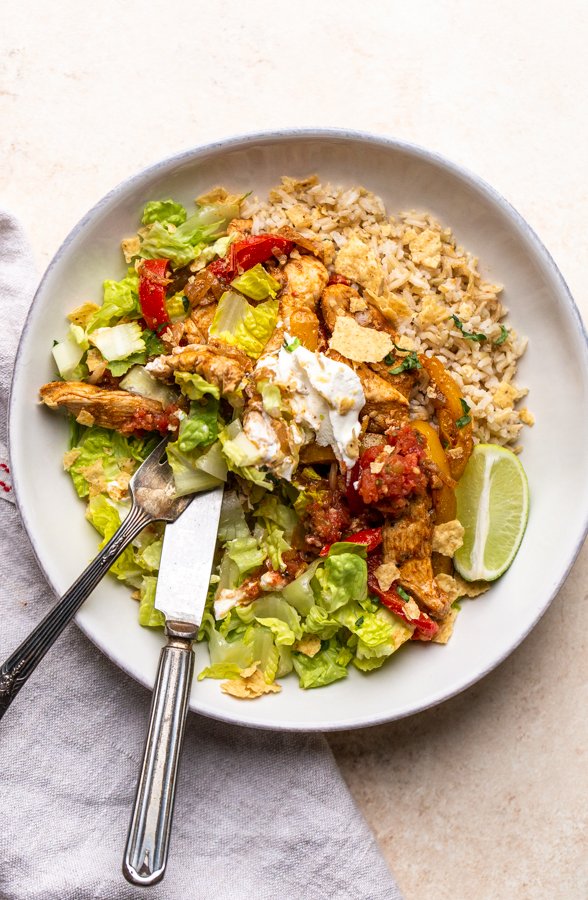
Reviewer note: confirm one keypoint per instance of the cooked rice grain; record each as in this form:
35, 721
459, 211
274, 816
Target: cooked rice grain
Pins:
425, 280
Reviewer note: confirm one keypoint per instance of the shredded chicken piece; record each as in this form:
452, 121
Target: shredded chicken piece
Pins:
203, 288
219, 363
119, 410
311, 245
198, 322
240, 227
305, 279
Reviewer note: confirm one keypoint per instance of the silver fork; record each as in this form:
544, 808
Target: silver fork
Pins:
153, 500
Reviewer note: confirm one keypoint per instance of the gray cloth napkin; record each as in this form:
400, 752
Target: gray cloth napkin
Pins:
258, 814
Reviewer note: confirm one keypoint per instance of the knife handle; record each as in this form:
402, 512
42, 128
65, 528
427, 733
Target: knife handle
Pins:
148, 839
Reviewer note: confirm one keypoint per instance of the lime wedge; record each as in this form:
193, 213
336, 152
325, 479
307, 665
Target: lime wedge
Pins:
493, 507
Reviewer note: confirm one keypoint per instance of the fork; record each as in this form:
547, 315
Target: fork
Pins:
153, 500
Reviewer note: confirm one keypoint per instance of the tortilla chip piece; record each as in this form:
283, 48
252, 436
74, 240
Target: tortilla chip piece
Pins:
526, 416
249, 685
309, 645
446, 625
470, 588
69, 458
130, 247
505, 395
432, 312
85, 418
81, 314
386, 574
392, 306
448, 537
448, 585
358, 343
425, 248
358, 262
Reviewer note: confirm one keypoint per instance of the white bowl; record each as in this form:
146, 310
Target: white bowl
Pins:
555, 368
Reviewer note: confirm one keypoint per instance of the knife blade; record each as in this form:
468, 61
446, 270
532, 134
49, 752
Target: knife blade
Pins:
186, 559
182, 586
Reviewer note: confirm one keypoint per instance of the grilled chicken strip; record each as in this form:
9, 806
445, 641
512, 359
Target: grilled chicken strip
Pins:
305, 280
119, 410
343, 300
219, 363
408, 544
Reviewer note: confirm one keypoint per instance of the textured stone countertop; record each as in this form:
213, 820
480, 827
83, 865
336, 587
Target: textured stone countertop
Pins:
485, 796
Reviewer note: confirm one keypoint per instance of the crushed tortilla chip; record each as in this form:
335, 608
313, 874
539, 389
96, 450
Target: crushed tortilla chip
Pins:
249, 685
119, 488
446, 625
358, 262
94, 475
392, 306
218, 195
526, 416
299, 215
358, 343
425, 248
448, 537
309, 645
82, 314
386, 574
85, 418
505, 395
448, 585
432, 312
69, 458
411, 609
470, 588
357, 304
130, 247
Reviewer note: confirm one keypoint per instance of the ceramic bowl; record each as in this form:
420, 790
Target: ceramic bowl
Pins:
555, 368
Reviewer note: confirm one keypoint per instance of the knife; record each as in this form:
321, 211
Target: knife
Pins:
182, 586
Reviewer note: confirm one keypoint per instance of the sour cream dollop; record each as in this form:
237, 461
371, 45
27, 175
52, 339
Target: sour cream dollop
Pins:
322, 394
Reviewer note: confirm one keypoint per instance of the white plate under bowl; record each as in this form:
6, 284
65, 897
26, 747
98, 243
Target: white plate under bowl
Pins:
555, 368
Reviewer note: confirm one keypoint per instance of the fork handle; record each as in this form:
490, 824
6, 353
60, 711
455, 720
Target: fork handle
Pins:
17, 668
149, 832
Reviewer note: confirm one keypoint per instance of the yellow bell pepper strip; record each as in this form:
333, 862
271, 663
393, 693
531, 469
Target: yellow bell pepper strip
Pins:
444, 497
450, 412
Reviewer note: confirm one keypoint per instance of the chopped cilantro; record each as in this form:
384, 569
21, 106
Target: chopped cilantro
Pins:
469, 335
504, 333
466, 418
185, 304
292, 345
402, 593
359, 621
410, 361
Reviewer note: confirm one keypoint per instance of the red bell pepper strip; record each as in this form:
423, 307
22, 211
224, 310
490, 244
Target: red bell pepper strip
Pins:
370, 537
334, 278
152, 286
423, 624
249, 252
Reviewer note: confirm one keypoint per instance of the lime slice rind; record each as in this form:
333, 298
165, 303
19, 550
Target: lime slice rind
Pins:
493, 507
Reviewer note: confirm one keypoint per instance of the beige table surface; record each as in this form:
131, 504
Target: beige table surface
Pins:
484, 797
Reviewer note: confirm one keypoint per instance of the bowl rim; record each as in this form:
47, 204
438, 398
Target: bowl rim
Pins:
235, 142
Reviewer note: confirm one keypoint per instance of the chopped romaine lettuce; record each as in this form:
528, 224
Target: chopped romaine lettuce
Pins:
121, 298
167, 211
118, 341
319, 622
194, 471
326, 666
300, 592
99, 453
343, 578
149, 617
68, 353
195, 386
271, 398
242, 456
200, 427
183, 244
256, 283
246, 553
232, 518
239, 323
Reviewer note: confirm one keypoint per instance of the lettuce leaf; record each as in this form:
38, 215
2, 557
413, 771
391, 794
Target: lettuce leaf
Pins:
118, 342
167, 211
327, 666
256, 283
69, 352
183, 244
274, 545
196, 471
343, 578
195, 386
220, 670
106, 520
242, 325
149, 617
121, 298
242, 456
319, 622
232, 522
200, 427
114, 452
246, 553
